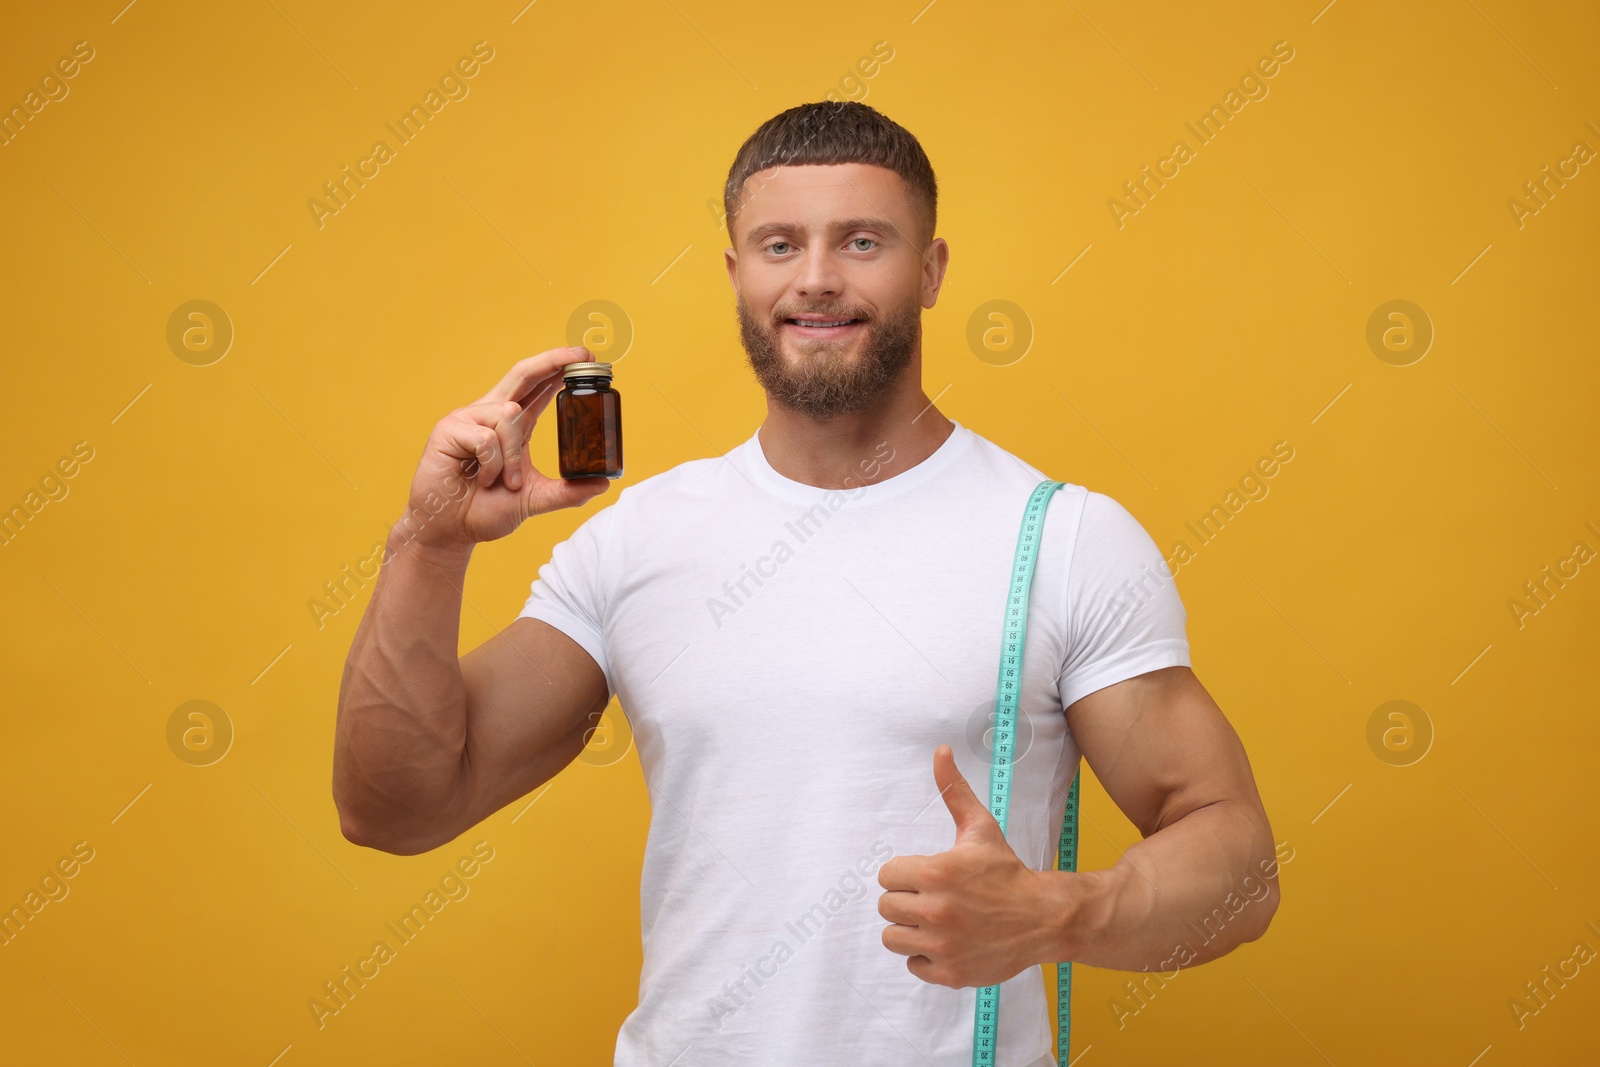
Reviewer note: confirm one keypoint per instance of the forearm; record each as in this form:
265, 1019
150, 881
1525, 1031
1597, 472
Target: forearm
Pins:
1187, 894
402, 716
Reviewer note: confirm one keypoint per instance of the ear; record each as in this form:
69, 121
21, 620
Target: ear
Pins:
935, 258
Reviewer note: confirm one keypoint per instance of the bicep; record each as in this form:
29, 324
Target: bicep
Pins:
533, 693
1161, 747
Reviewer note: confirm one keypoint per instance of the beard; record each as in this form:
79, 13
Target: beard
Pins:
822, 380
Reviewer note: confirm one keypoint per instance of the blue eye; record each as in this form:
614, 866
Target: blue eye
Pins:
775, 244
866, 239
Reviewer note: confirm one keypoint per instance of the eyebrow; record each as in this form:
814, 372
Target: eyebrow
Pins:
883, 226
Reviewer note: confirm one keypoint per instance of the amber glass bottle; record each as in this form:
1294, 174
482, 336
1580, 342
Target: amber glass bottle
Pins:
589, 422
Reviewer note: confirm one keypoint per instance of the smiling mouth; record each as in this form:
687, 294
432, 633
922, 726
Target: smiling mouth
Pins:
822, 327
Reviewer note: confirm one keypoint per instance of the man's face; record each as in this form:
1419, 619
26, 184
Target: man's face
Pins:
830, 244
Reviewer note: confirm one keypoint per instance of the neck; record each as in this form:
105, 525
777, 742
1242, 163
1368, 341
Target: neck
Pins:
849, 451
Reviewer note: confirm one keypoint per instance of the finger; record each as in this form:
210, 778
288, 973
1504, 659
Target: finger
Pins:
547, 494
903, 873
897, 907
972, 818
474, 444
928, 971
529, 410
489, 455
525, 374
508, 431
905, 940
535, 402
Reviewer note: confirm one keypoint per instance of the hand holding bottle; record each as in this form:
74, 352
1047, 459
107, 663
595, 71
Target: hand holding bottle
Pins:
475, 482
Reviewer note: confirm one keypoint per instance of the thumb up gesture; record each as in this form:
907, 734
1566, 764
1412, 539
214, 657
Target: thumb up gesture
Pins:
975, 915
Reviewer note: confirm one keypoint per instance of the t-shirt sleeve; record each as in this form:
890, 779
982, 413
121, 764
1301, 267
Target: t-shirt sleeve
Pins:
568, 593
1124, 615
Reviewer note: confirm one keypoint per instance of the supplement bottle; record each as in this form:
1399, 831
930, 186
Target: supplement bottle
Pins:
589, 422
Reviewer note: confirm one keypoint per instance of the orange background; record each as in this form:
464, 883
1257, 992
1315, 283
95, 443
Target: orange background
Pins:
584, 163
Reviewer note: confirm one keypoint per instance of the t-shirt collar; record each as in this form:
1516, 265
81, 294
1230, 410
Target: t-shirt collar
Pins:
751, 460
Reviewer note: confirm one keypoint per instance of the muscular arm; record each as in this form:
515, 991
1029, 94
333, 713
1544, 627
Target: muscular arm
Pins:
1201, 882
426, 745
1197, 886
426, 742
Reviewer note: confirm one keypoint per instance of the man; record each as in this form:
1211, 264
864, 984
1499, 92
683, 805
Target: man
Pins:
797, 630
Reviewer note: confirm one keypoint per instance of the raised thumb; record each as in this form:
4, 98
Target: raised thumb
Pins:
971, 815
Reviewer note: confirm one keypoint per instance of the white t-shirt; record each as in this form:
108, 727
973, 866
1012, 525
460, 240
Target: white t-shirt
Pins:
788, 658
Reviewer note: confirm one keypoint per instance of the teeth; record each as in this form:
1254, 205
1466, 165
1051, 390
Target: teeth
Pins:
841, 322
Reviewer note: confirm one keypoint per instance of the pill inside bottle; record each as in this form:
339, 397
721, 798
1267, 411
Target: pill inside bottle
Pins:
589, 422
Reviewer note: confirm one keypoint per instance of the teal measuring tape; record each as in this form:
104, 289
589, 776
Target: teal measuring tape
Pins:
986, 1018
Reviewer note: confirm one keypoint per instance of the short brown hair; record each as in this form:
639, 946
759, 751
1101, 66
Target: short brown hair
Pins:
829, 132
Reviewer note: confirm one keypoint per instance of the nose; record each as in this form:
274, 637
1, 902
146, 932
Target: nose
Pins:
818, 276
